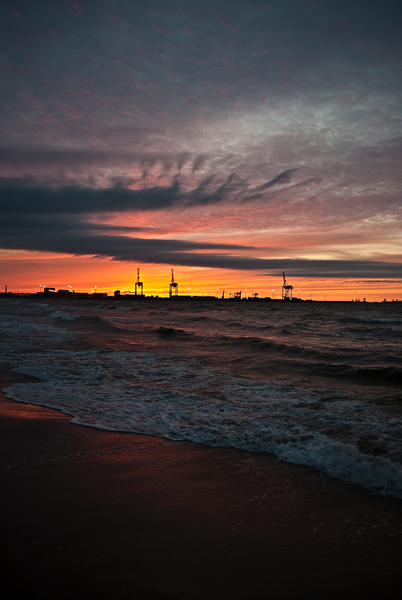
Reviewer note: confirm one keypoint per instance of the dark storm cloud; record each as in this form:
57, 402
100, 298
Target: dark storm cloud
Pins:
58, 221
72, 236
338, 268
64, 228
69, 237
25, 227
23, 196
31, 199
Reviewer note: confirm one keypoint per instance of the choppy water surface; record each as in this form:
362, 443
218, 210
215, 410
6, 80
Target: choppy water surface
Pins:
317, 384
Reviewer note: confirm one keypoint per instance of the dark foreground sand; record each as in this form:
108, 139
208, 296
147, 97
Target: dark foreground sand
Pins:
87, 514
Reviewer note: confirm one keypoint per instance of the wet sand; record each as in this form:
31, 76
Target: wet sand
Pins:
92, 514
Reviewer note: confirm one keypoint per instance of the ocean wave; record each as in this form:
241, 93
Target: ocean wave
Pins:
237, 325
378, 375
196, 319
95, 320
104, 307
60, 315
172, 332
97, 366
374, 321
260, 345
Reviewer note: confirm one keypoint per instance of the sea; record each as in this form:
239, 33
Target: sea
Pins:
313, 383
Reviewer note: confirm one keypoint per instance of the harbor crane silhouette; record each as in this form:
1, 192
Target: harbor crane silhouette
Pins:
287, 290
138, 284
173, 286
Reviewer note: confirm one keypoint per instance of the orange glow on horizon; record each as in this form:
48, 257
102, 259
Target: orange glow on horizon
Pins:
30, 273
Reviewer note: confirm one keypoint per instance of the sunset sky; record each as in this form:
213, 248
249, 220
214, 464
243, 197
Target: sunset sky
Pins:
229, 140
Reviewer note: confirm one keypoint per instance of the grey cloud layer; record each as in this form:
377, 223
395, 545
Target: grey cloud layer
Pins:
41, 219
127, 60
88, 241
291, 103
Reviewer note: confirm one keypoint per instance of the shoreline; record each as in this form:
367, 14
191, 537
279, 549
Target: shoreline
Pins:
89, 513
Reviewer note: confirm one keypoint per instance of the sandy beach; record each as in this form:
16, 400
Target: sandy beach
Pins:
92, 514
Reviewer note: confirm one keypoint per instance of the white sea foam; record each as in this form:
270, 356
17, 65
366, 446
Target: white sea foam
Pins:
149, 394
64, 316
40, 306
171, 393
21, 336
